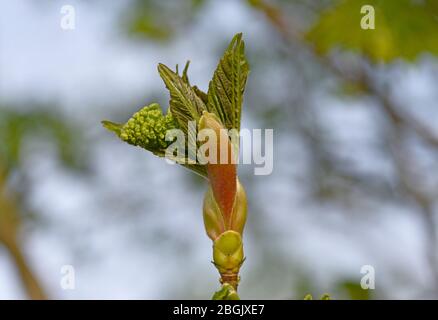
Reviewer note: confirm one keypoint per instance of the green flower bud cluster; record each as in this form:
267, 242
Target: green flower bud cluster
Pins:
147, 128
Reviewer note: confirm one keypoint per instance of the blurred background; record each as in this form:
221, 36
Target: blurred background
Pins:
355, 177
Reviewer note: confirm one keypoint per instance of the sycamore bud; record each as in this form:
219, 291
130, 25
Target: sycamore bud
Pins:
214, 220
225, 205
222, 171
227, 236
228, 256
228, 252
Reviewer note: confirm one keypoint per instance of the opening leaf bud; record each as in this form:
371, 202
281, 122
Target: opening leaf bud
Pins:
214, 221
222, 170
228, 252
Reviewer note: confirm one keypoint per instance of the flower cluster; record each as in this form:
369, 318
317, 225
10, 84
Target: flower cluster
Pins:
147, 128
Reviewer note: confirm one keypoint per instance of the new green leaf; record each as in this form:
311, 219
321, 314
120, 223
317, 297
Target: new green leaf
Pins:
225, 91
185, 105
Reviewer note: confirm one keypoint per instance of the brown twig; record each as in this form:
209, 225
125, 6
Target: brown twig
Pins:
9, 226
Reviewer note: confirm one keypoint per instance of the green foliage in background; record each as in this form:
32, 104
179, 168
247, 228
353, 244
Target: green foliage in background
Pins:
403, 29
353, 290
18, 126
159, 20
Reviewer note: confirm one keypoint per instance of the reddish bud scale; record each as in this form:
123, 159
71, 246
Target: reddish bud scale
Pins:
222, 174
223, 182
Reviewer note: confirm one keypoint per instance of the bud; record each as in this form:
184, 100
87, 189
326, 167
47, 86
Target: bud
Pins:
222, 176
240, 209
228, 256
227, 292
214, 221
146, 128
225, 205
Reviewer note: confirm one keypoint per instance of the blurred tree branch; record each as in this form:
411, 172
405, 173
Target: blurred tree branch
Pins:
9, 228
291, 33
399, 122
16, 128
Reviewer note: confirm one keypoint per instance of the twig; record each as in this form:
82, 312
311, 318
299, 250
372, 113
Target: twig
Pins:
9, 225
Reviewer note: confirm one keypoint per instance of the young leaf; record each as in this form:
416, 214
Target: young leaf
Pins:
185, 76
225, 91
201, 94
185, 105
